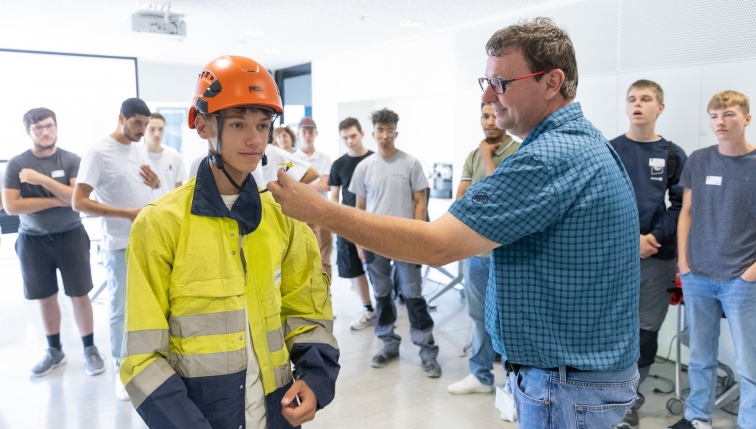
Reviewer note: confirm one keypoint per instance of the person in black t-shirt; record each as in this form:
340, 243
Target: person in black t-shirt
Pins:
654, 166
349, 256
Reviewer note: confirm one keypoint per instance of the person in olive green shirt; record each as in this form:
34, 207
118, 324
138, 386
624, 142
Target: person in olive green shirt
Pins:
481, 162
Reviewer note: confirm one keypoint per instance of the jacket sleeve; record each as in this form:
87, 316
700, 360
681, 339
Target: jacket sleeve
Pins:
307, 316
157, 392
665, 229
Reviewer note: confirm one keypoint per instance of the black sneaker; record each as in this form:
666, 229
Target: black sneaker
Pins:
631, 420
695, 424
53, 359
383, 358
432, 368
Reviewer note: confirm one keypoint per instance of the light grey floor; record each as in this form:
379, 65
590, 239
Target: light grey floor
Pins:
398, 396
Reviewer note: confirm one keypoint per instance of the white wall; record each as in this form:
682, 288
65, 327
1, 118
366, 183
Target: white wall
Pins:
693, 48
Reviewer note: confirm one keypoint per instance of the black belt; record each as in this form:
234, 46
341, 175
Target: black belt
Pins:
515, 367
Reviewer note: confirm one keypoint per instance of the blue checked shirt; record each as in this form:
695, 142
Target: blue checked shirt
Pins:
564, 284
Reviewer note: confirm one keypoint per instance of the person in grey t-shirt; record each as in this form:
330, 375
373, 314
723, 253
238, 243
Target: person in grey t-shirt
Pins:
717, 258
392, 183
38, 187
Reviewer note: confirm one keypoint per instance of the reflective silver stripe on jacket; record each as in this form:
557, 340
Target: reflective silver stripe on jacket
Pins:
148, 380
323, 332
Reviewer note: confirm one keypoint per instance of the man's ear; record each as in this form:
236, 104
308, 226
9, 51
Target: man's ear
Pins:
554, 81
121, 119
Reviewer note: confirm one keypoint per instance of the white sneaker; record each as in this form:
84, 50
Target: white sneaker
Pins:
467, 385
368, 318
120, 389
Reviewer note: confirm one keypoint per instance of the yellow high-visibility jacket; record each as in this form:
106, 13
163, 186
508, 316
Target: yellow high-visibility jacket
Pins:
193, 266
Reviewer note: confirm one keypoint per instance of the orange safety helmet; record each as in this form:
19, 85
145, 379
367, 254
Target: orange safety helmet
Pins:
233, 81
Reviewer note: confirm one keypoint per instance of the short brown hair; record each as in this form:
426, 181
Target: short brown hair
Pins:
37, 115
285, 130
384, 116
349, 123
157, 115
644, 84
728, 98
544, 46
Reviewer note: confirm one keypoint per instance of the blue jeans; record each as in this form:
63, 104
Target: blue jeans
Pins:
476, 279
705, 301
574, 400
115, 264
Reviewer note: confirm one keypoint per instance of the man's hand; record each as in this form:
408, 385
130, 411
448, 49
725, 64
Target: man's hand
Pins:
131, 214
297, 200
32, 177
150, 178
360, 252
486, 149
648, 246
750, 274
304, 412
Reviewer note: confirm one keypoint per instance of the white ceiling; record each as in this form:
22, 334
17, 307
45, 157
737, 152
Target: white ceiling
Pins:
301, 29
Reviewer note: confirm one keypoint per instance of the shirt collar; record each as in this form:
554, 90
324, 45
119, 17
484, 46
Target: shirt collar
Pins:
247, 210
504, 145
555, 120
315, 154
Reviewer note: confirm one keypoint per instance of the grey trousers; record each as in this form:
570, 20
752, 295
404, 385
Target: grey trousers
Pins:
384, 275
657, 278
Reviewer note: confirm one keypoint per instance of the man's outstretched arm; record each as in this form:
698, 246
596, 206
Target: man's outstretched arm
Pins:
436, 243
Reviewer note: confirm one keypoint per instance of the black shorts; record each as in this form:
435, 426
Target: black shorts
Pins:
42, 255
348, 260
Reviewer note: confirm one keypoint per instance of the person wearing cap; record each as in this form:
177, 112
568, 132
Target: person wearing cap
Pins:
322, 164
117, 168
225, 293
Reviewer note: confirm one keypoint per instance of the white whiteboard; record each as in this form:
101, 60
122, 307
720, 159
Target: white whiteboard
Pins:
85, 92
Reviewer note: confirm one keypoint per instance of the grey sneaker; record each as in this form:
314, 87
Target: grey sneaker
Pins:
631, 420
383, 358
53, 359
93, 361
432, 368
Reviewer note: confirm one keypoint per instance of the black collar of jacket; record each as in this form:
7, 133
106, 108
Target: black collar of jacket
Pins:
207, 201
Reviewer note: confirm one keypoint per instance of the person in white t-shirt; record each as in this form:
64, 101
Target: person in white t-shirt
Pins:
165, 161
117, 170
300, 171
322, 164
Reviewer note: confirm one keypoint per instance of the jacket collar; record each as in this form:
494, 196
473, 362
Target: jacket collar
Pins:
207, 201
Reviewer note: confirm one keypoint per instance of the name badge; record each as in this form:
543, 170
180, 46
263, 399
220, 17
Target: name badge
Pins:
505, 403
714, 180
657, 162
58, 173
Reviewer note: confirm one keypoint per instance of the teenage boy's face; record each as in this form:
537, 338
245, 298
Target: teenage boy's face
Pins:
642, 107
308, 134
155, 130
44, 133
385, 135
244, 136
729, 123
351, 137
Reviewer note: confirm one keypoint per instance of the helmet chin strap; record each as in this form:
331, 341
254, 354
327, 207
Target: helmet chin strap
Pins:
217, 158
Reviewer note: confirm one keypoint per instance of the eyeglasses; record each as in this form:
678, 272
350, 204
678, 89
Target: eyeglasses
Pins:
498, 85
39, 128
